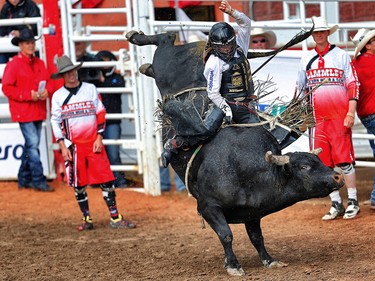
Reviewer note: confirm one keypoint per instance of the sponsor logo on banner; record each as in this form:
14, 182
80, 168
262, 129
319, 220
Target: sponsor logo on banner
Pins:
14, 151
11, 149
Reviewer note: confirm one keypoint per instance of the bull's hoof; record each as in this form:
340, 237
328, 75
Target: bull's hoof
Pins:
276, 264
236, 271
147, 70
130, 34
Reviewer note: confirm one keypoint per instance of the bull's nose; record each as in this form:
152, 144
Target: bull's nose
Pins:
339, 179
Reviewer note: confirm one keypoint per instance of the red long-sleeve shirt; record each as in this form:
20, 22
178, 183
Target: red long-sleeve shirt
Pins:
21, 75
365, 67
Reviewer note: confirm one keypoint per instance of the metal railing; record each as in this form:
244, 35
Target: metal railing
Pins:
127, 64
275, 25
143, 15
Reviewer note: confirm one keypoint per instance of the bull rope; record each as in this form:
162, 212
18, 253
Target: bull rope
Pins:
272, 120
189, 90
189, 166
203, 225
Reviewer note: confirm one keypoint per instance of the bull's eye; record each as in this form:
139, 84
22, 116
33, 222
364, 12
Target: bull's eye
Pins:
304, 167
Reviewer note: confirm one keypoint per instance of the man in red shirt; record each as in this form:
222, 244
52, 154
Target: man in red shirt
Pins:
364, 62
22, 84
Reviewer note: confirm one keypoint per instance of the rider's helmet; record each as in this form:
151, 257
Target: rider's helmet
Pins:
223, 40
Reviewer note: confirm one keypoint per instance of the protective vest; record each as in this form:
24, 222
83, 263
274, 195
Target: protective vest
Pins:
237, 81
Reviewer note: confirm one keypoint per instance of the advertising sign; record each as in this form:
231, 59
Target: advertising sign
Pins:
11, 148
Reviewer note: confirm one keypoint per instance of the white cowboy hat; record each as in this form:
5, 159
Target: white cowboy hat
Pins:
320, 24
361, 39
270, 35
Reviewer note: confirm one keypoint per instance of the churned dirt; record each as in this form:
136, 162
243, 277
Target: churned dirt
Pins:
39, 239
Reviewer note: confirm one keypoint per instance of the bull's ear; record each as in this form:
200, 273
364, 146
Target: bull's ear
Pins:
279, 160
316, 151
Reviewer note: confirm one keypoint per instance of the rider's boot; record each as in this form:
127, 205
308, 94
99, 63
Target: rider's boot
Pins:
169, 147
289, 139
284, 136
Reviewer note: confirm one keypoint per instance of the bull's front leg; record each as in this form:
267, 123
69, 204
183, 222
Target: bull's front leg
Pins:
255, 234
216, 219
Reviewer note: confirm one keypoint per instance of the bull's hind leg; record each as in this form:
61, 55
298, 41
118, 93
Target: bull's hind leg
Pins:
140, 39
147, 70
215, 218
255, 234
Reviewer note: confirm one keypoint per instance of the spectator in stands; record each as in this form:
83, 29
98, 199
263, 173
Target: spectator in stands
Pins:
335, 101
364, 63
262, 39
23, 81
91, 75
165, 181
112, 103
14, 9
78, 123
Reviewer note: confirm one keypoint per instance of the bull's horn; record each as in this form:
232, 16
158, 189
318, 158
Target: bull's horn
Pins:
316, 151
276, 159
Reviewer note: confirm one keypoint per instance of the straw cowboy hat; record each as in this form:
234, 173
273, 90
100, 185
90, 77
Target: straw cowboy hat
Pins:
64, 64
26, 34
320, 24
270, 35
361, 39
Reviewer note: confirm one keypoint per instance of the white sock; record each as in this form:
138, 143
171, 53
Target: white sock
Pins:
335, 196
352, 193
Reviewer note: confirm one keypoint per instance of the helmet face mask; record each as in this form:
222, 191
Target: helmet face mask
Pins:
225, 50
223, 40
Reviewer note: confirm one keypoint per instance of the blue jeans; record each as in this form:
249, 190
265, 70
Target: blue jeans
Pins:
165, 181
369, 123
31, 169
113, 131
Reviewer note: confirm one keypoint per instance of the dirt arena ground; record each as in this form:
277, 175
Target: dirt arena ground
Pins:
39, 239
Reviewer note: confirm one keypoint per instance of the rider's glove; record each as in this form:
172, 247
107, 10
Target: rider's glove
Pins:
228, 112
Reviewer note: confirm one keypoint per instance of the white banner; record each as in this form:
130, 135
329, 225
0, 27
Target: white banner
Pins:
11, 148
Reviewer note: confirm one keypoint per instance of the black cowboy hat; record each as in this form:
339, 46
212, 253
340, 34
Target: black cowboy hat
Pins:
64, 64
26, 34
106, 54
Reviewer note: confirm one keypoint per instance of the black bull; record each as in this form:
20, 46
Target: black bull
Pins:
239, 176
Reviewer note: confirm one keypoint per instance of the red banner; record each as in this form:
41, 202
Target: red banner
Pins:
184, 4
89, 3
